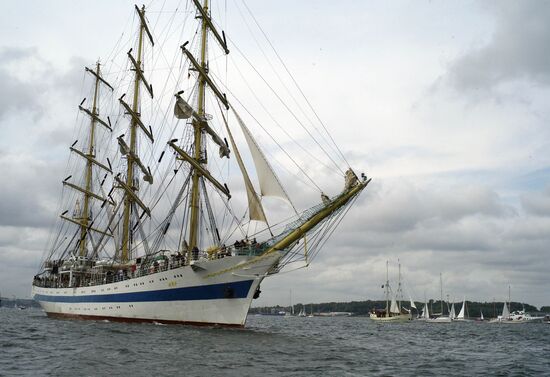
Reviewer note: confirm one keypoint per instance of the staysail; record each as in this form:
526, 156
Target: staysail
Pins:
269, 183
255, 209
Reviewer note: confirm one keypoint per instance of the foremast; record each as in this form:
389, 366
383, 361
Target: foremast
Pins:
130, 186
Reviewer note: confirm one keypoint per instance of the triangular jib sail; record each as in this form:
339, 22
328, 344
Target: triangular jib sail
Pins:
269, 183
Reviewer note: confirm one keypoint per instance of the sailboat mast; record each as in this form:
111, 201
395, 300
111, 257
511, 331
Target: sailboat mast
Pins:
84, 215
194, 221
441, 287
128, 200
399, 293
387, 291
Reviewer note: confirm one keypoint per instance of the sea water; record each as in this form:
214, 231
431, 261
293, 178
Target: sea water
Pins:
33, 345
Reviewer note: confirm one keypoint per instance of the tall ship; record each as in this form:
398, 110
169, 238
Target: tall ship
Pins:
148, 228
394, 311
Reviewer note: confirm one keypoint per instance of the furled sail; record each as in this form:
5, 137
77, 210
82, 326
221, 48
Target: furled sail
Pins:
269, 183
182, 110
255, 209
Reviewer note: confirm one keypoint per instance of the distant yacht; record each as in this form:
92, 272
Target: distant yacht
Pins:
394, 312
440, 318
311, 314
515, 317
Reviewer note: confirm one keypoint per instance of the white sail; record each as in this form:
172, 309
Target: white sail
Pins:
412, 302
255, 209
394, 308
425, 311
481, 317
269, 183
462, 310
505, 311
452, 313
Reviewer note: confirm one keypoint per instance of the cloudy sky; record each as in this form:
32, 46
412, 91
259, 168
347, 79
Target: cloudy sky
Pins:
446, 105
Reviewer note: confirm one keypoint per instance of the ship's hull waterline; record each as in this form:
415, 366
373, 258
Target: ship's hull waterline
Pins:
183, 295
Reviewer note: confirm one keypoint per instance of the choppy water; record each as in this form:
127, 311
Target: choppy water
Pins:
33, 345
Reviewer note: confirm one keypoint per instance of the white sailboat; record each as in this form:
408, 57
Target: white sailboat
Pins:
452, 313
440, 318
515, 317
463, 314
393, 311
425, 315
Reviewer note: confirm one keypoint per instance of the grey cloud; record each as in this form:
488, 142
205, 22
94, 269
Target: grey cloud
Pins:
537, 203
518, 49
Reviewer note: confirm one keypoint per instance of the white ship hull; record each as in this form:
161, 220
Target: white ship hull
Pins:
393, 318
185, 295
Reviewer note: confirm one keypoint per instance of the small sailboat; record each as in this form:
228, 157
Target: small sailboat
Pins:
440, 318
302, 312
393, 312
425, 315
463, 314
311, 314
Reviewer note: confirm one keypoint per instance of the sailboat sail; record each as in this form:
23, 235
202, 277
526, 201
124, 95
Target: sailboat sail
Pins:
394, 308
269, 183
505, 311
413, 305
462, 310
452, 313
425, 311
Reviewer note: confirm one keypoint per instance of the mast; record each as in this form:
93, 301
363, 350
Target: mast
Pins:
81, 217
399, 293
387, 291
132, 159
194, 222
441, 286
84, 216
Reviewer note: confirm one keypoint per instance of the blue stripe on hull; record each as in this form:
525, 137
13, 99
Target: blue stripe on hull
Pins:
237, 289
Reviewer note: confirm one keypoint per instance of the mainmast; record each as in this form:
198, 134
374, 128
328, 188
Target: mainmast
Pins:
198, 158
194, 223
131, 186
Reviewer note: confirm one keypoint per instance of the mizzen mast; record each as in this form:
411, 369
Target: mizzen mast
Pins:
130, 185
